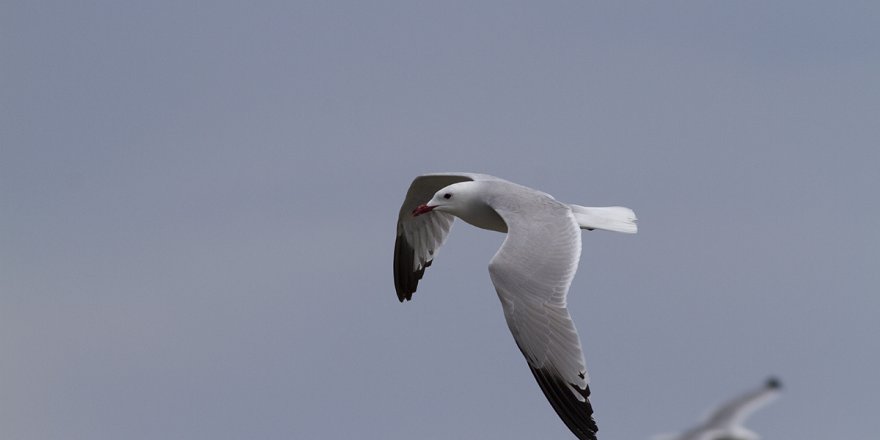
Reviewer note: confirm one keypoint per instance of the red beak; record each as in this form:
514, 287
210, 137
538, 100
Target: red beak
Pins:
422, 209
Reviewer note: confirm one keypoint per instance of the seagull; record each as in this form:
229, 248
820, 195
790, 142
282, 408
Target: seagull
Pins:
531, 272
725, 423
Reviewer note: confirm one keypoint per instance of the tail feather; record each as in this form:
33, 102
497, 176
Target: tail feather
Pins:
608, 218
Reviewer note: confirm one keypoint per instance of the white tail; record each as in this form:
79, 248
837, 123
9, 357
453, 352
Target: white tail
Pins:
609, 218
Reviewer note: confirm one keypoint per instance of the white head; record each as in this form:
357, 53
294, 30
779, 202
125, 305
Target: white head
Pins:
456, 199
467, 201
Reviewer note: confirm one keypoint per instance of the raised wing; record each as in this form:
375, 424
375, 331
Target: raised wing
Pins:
735, 412
698, 433
532, 273
725, 423
418, 238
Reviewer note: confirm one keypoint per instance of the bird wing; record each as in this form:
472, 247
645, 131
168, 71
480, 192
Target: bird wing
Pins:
532, 273
725, 422
734, 412
418, 238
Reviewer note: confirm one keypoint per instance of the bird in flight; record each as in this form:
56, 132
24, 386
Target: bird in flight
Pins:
726, 422
531, 272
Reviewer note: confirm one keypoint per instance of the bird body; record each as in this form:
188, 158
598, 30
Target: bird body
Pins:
531, 272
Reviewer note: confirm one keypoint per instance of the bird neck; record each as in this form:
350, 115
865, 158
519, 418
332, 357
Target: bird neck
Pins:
482, 215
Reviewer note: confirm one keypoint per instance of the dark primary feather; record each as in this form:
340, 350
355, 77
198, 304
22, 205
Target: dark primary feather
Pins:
773, 383
406, 277
577, 415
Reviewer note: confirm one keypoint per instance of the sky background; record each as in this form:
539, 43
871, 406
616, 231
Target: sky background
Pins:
198, 205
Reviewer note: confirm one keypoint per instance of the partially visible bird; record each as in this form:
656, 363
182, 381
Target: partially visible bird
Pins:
531, 272
726, 422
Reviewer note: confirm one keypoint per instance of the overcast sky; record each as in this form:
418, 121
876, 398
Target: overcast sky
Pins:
198, 200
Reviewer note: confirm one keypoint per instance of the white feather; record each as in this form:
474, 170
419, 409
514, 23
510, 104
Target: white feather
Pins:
608, 218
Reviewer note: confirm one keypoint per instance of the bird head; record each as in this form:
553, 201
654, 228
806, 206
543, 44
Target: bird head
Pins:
453, 199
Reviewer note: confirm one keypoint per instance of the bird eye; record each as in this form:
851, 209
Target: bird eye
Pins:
447, 196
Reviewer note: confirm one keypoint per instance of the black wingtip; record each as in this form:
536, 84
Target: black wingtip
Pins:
773, 383
577, 415
406, 277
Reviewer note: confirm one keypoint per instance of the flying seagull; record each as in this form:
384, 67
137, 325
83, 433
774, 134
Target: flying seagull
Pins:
725, 423
532, 270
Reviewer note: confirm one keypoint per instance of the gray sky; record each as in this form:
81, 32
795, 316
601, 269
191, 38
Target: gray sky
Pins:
197, 207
